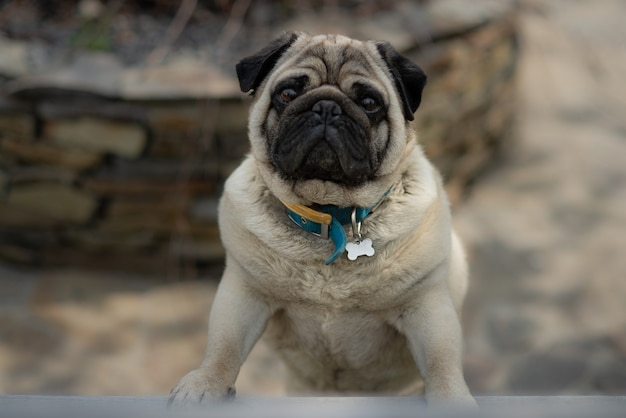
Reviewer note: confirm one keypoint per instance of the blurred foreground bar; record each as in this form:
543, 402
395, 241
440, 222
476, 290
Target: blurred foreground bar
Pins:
339, 407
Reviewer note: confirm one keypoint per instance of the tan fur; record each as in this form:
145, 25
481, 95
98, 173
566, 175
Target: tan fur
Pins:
376, 324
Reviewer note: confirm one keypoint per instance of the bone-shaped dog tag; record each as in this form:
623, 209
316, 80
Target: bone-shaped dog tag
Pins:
359, 248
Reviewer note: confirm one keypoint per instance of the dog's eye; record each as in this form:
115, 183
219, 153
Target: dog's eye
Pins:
370, 105
287, 95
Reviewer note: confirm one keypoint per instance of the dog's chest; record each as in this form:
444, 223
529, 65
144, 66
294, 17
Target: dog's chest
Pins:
350, 339
339, 288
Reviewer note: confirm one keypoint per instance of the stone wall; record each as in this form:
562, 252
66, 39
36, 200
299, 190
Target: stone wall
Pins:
115, 167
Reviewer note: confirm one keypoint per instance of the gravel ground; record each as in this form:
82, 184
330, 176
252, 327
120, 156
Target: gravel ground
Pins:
545, 230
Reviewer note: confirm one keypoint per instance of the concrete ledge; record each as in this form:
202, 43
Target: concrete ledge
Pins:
340, 407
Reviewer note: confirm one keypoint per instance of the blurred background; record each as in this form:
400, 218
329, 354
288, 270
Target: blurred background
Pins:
120, 120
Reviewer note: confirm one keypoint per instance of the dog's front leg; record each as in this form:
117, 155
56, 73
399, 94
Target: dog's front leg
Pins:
238, 318
433, 332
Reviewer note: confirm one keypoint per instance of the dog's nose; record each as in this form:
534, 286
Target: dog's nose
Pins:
327, 109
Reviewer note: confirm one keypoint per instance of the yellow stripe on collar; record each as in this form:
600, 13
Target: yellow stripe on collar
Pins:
310, 214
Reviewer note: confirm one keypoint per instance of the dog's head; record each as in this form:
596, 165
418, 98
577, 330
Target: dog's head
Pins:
329, 123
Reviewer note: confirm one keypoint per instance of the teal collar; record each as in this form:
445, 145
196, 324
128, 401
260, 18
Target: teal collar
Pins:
327, 221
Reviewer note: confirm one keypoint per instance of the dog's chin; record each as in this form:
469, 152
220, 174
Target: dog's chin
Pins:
323, 163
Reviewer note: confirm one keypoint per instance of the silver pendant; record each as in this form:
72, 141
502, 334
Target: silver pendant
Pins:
359, 246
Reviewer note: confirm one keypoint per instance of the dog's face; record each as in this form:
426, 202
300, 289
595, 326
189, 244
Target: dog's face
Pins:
330, 116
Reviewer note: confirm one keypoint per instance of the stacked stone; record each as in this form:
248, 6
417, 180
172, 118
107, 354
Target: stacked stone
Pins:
123, 168
95, 181
469, 102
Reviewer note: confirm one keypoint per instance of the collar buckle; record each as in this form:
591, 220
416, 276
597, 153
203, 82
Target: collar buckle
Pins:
309, 225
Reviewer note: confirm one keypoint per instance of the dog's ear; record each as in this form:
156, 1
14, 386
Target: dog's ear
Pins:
407, 76
252, 70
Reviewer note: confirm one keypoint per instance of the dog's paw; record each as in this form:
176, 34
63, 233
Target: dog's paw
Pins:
456, 396
198, 387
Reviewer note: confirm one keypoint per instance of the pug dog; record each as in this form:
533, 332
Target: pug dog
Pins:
337, 230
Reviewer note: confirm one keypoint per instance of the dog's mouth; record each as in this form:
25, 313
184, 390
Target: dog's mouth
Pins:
323, 143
